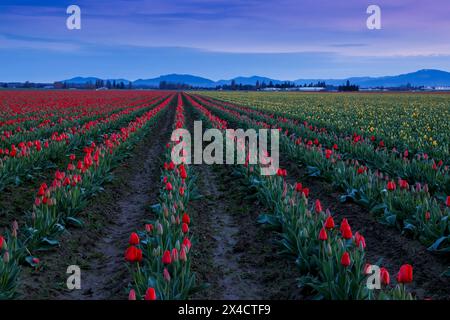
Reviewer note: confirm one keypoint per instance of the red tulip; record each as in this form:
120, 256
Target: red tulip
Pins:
367, 266
169, 186
185, 228
174, 255
183, 256
405, 275
298, 187
384, 276
360, 240
166, 259
133, 254
150, 294
149, 227
323, 234
134, 239
41, 191
391, 186
345, 259
305, 191
187, 243
447, 202
318, 206
329, 223
132, 295
2, 241
186, 218
183, 173
181, 191
345, 229
427, 215
403, 184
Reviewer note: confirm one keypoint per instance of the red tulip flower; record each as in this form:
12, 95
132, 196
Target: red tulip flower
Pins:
345, 229
305, 191
150, 294
183, 256
447, 202
345, 259
149, 227
405, 275
318, 206
323, 234
133, 254
329, 223
169, 186
367, 267
298, 187
186, 218
384, 276
391, 186
132, 295
134, 239
175, 255
187, 243
185, 228
360, 241
166, 259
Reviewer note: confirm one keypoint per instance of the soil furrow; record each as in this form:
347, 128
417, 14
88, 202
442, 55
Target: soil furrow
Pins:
233, 253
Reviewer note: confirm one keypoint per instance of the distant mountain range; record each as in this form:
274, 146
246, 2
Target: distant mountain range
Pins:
425, 77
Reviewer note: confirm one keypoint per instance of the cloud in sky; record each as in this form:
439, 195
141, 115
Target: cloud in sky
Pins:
273, 38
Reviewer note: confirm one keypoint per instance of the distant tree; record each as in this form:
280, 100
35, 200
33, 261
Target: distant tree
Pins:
348, 87
233, 84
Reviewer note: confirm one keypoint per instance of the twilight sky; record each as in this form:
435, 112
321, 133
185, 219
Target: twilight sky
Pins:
220, 39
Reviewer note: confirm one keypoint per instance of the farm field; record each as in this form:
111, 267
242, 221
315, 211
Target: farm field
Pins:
87, 179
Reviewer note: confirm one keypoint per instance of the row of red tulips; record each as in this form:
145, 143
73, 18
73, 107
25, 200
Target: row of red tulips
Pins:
411, 208
46, 125
57, 204
31, 157
27, 109
160, 255
331, 261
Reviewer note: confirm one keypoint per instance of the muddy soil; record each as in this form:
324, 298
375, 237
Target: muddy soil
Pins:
99, 247
386, 246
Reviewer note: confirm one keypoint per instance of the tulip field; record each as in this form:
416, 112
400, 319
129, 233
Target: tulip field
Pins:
358, 210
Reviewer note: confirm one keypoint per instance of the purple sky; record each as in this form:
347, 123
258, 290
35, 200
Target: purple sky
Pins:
285, 39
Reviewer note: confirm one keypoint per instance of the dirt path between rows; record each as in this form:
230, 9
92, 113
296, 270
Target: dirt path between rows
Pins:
99, 247
233, 253
386, 245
